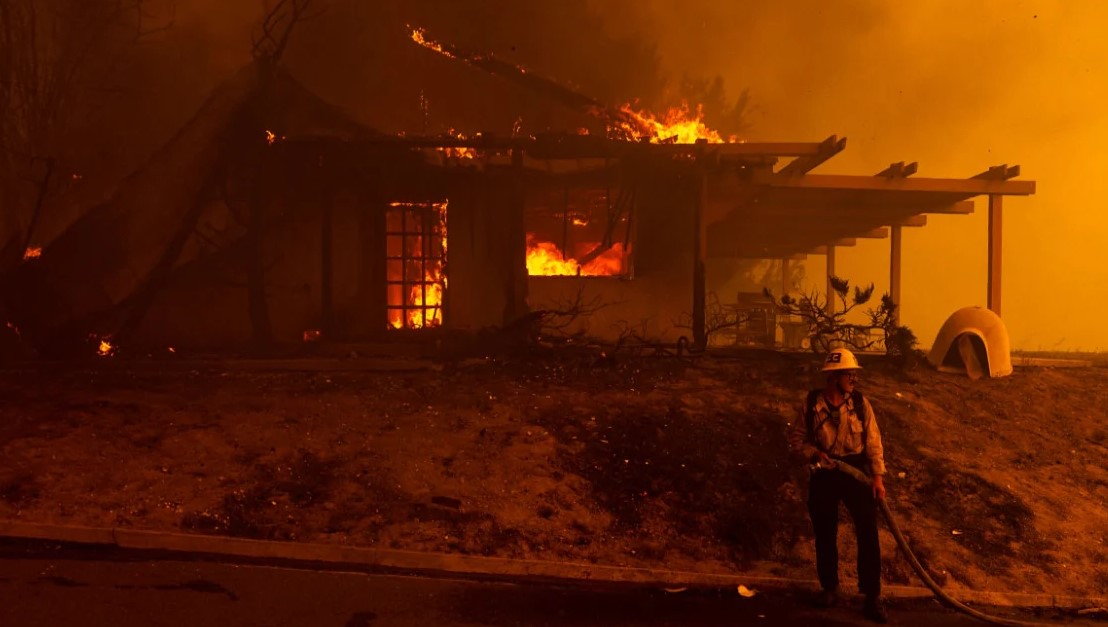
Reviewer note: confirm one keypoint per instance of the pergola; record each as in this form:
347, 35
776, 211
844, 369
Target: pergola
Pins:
753, 200
786, 213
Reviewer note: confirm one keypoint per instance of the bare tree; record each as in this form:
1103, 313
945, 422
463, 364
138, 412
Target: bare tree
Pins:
268, 46
52, 55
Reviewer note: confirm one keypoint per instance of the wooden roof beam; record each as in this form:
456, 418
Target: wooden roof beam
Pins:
1001, 172
970, 187
802, 165
899, 170
962, 207
763, 232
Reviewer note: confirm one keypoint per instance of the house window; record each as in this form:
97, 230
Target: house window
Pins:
580, 232
415, 250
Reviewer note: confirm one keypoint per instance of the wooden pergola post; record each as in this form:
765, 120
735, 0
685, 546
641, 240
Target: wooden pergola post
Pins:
326, 271
700, 335
830, 273
894, 269
996, 220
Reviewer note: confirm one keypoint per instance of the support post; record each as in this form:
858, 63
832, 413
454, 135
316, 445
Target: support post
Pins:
784, 276
700, 244
894, 270
326, 272
830, 273
996, 220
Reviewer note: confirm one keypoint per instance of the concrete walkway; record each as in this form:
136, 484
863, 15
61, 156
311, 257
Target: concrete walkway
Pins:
333, 556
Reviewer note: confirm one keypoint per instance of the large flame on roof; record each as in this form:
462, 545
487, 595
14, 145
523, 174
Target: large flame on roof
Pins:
677, 125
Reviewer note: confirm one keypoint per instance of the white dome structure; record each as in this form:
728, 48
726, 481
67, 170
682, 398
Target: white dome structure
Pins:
975, 341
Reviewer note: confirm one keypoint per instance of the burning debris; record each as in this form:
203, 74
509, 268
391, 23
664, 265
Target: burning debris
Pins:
105, 347
32, 253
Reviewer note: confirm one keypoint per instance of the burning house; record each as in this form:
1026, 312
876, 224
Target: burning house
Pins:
271, 217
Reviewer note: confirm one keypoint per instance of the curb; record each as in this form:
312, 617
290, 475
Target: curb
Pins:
477, 567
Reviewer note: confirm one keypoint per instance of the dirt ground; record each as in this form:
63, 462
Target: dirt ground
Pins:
653, 461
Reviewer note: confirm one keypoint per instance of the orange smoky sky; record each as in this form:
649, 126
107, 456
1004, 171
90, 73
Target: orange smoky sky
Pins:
957, 85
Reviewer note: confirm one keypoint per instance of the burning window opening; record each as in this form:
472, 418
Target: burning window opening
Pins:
547, 259
415, 251
581, 232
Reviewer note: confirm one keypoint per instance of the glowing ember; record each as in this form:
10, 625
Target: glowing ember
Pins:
271, 138
458, 152
312, 335
32, 253
545, 259
172, 350
419, 36
106, 349
14, 329
679, 125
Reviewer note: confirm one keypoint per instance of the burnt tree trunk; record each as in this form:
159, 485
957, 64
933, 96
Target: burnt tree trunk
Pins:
260, 324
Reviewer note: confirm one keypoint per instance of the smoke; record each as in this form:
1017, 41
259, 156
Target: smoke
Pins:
957, 86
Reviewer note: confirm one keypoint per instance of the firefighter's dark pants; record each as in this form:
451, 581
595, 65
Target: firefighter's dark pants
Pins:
825, 491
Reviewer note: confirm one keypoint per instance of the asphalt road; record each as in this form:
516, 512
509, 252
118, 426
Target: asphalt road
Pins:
62, 586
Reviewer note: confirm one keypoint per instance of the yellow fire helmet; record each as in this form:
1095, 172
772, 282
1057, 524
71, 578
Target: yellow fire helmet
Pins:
840, 359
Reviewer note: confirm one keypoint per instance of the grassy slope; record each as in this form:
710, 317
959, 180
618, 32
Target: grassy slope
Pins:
645, 462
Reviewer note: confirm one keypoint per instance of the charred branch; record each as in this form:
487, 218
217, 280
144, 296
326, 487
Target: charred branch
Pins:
276, 28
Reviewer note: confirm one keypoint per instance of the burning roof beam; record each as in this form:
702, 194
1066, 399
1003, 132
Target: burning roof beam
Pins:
802, 165
516, 74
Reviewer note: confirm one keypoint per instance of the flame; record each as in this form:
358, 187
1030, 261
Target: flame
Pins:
172, 350
546, 259
106, 349
419, 36
271, 138
677, 125
427, 304
458, 152
32, 253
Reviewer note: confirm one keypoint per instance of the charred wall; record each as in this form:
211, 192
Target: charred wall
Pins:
657, 294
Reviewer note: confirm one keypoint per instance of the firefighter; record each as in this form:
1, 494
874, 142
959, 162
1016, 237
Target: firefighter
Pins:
837, 426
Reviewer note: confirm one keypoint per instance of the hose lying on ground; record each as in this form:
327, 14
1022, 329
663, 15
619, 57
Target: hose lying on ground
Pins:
916, 566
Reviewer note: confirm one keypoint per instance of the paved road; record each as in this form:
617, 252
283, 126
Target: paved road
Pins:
86, 588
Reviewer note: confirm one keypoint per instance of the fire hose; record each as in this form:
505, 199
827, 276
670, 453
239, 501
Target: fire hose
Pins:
940, 594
